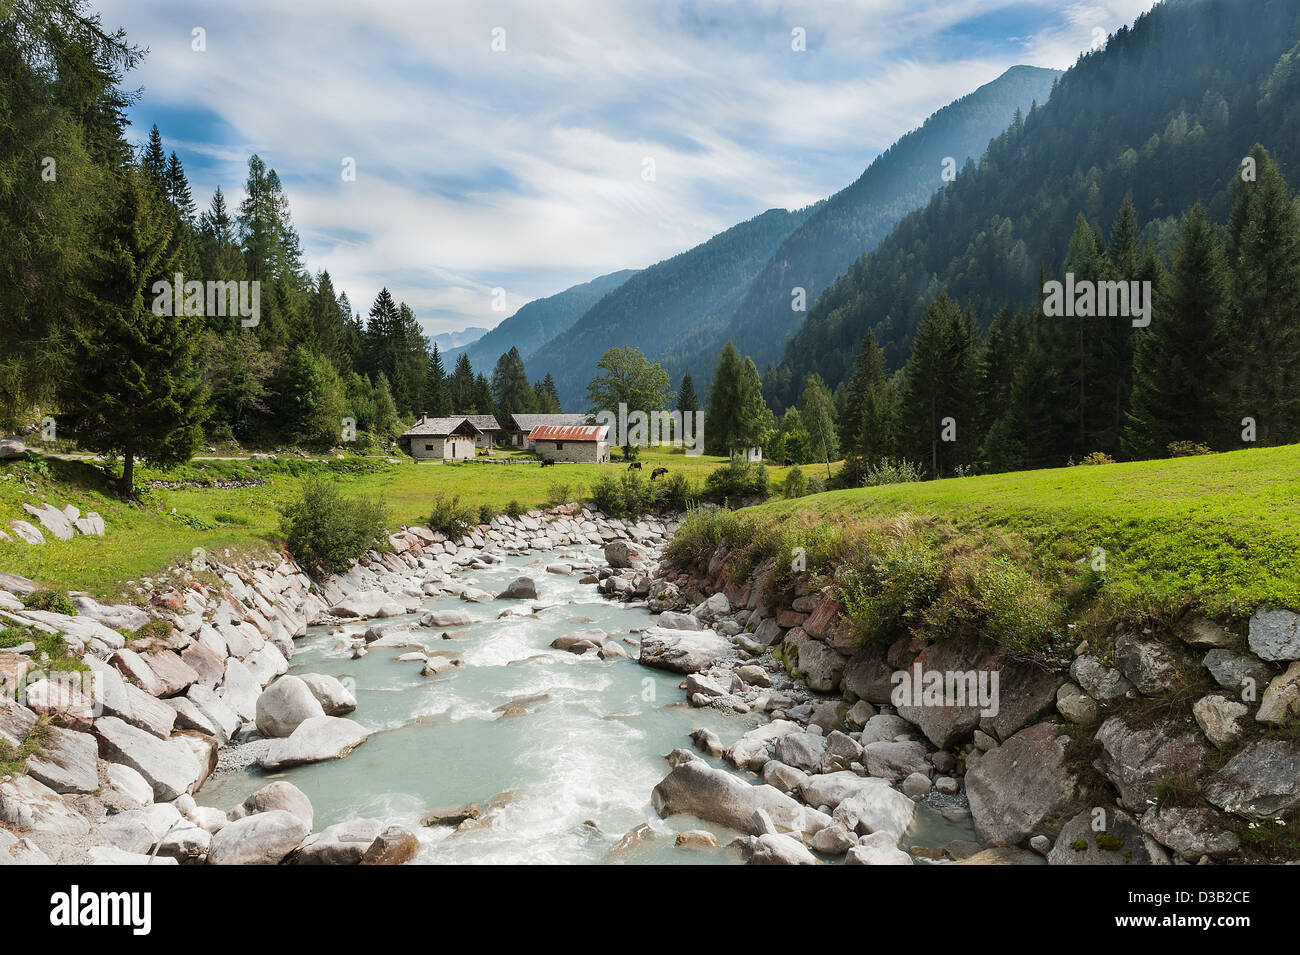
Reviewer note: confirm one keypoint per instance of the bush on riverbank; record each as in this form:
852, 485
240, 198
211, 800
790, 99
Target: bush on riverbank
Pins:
326, 531
452, 516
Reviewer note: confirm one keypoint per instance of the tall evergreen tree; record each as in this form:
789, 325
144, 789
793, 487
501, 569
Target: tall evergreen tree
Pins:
1179, 358
1264, 334
511, 391
722, 423
137, 392
154, 161
437, 393
178, 188
938, 390
754, 420
462, 386
866, 420
687, 399
817, 409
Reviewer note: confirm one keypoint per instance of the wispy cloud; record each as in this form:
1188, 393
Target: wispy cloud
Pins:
523, 169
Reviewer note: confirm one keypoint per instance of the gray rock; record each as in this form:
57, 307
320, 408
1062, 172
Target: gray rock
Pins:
818, 665
1203, 633
169, 766
1238, 671
885, 727
1275, 634
1075, 705
1098, 680
279, 795
835, 840
895, 760
708, 742
16, 721
1280, 704
1119, 842
842, 751
26, 804
683, 651
344, 843
801, 750
1024, 787
1220, 719
1262, 781
774, 849
1138, 756
284, 706
785, 778
876, 808
1191, 833
262, 839
715, 795
916, 785
521, 588
315, 740
873, 853
67, 762
858, 714
671, 620
1145, 662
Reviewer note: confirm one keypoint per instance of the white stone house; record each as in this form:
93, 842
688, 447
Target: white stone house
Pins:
580, 443
441, 439
489, 429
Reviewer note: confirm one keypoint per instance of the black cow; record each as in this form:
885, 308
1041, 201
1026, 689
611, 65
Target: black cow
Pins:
547, 462
787, 463
656, 472
634, 466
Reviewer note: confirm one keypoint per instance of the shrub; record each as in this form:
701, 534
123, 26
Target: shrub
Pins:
703, 531
607, 495
153, 630
1185, 449
1097, 457
514, 509
1013, 607
326, 530
737, 480
796, 485
889, 471
627, 496
50, 600
889, 586
558, 493
678, 492
485, 513
222, 517
451, 516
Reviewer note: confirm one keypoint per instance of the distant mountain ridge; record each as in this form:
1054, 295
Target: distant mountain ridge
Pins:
536, 323
446, 341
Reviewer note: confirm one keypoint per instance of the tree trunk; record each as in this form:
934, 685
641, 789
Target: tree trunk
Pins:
128, 472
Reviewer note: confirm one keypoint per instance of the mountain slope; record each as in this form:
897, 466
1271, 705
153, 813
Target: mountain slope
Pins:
841, 228
664, 302
536, 323
1165, 113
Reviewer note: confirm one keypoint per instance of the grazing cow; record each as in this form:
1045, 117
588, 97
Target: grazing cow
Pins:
634, 466
787, 463
547, 462
656, 472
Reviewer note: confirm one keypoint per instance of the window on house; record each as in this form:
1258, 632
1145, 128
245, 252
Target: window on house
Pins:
428, 447
559, 445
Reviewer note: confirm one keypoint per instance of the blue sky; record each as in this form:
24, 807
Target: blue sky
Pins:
523, 168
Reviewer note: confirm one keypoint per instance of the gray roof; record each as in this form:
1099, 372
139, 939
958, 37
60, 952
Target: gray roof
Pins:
484, 422
527, 422
437, 426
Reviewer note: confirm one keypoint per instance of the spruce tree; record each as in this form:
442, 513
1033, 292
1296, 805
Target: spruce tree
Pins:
754, 421
137, 391
687, 399
178, 189
721, 419
817, 409
1179, 358
462, 386
510, 388
154, 161
1264, 333
437, 393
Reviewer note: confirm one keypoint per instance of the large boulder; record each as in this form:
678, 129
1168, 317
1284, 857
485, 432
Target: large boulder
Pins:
801, 750
1137, 756
393, 846
815, 663
265, 838
773, 849
521, 588
27, 804
446, 618
1280, 703
366, 604
672, 620
715, 795
342, 844
169, 765
683, 651
1220, 719
1098, 680
1145, 662
279, 795
67, 762
335, 698
1191, 832
619, 554
1260, 782
284, 706
1024, 787
16, 721
876, 807
1275, 634
895, 760
1119, 841
315, 740
1238, 671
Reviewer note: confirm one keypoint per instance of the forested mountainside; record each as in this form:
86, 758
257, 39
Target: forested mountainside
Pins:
538, 322
853, 220
1164, 113
665, 302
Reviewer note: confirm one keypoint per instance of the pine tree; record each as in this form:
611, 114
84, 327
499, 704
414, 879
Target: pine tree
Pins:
437, 393
687, 399
1179, 358
549, 396
178, 189
866, 418
220, 258
137, 392
328, 325
754, 420
462, 386
722, 418
154, 161
482, 403
939, 384
510, 388
1264, 333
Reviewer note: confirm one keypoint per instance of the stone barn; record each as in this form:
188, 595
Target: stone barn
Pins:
578, 443
441, 439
